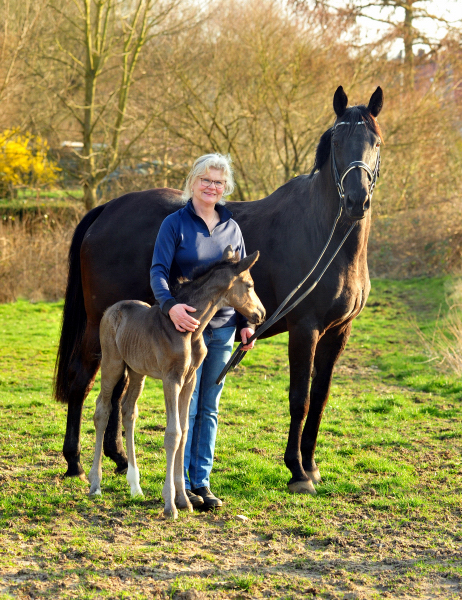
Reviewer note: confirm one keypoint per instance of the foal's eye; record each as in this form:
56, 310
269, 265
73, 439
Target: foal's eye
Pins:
336, 144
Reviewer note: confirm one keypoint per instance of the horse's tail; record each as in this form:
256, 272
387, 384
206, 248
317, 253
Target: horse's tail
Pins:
74, 315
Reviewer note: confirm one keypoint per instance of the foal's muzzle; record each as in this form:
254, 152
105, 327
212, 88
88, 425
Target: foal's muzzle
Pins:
258, 317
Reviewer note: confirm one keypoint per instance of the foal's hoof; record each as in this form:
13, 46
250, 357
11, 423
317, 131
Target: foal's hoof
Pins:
95, 493
302, 487
315, 476
121, 470
183, 504
170, 514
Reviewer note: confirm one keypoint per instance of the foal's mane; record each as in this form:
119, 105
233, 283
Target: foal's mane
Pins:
352, 116
185, 287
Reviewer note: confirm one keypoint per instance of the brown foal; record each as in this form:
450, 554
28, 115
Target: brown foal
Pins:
139, 338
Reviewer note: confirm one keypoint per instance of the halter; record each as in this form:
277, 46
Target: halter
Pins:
357, 164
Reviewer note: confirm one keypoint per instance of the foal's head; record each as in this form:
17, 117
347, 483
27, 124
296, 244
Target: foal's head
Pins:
241, 292
228, 282
352, 148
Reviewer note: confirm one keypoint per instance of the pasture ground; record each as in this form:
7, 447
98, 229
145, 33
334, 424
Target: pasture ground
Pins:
386, 522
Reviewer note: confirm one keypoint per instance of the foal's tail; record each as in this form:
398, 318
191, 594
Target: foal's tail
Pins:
74, 315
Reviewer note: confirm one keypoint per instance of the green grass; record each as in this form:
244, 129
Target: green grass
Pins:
386, 521
61, 205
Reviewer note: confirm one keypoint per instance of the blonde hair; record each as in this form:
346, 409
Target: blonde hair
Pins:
202, 166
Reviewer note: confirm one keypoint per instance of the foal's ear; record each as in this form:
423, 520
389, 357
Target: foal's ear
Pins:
228, 253
340, 101
376, 102
247, 262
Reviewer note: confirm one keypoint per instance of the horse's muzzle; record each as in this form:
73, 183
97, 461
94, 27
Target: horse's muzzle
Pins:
355, 208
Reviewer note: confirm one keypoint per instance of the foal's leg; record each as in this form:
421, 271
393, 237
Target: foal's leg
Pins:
171, 442
181, 500
302, 344
329, 348
113, 444
129, 416
111, 371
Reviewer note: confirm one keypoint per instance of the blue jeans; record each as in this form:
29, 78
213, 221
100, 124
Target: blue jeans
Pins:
203, 410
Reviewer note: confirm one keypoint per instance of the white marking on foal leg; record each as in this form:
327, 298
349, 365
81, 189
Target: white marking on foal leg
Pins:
133, 478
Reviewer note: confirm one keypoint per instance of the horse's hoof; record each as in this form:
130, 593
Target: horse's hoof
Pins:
302, 487
170, 514
315, 476
121, 470
75, 470
94, 493
137, 493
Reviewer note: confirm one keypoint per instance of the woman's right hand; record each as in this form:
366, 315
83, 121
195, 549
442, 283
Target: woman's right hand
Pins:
181, 319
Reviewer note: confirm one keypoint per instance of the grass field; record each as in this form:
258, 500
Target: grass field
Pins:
386, 522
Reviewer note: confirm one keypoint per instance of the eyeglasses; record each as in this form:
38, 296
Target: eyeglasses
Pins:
219, 185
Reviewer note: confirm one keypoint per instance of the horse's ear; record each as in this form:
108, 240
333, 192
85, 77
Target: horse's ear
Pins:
228, 253
340, 101
247, 262
376, 102
237, 256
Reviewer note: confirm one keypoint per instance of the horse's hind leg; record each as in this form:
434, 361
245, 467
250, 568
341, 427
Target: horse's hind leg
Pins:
113, 445
181, 499
329, 348
129, 416
82, 373
111, 371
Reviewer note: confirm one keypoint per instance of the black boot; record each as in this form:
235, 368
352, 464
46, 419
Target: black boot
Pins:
210, 501
196, 501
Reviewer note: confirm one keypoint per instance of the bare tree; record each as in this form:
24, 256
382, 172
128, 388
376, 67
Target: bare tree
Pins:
258, 87
404, 18
95, 53
18, 21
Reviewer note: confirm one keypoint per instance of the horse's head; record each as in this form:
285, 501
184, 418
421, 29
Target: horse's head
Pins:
241, 293
355, 142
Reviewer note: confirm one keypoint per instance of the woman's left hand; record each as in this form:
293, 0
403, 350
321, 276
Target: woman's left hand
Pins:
246, 333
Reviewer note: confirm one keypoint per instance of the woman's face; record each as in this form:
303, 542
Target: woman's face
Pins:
208, 189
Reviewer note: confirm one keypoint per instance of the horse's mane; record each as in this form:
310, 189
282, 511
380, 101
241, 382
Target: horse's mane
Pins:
352, 115
186, 286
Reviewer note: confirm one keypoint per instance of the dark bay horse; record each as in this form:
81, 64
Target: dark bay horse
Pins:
137, 339
111, 253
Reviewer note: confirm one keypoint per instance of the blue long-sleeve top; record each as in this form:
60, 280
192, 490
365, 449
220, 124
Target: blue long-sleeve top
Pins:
184, 242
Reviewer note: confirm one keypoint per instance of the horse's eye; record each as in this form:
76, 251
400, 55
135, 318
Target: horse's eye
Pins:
336, 144
377, 145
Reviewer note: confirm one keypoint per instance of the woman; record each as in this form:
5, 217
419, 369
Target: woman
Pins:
197, 235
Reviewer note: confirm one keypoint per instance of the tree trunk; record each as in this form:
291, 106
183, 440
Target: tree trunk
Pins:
89, 195
408, 38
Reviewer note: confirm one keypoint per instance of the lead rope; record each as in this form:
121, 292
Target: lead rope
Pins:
239, 354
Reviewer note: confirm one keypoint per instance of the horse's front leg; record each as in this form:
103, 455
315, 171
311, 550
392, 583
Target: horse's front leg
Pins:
172, 439
129, 416
181, 499
302, 345
328, 349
